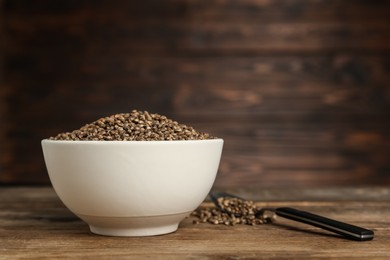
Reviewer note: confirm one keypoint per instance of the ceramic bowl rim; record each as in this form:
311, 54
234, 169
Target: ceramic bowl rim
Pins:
165, 142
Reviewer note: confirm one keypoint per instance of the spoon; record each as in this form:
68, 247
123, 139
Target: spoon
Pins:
347, 230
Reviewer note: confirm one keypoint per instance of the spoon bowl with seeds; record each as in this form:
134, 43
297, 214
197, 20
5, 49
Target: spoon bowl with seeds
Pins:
246, 211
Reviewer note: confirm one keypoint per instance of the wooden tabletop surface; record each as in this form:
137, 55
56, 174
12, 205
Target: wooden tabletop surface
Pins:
35, 224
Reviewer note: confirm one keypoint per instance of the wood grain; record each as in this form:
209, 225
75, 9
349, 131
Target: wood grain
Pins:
3, 91
298, 89
216, 26
35, 224
277, 128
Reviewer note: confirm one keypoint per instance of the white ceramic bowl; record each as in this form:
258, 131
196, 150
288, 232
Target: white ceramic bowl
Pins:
132, 188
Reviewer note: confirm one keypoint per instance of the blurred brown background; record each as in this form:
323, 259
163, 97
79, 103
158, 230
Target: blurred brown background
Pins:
299, 89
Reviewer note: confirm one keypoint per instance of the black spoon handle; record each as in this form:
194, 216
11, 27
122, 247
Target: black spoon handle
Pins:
344, 229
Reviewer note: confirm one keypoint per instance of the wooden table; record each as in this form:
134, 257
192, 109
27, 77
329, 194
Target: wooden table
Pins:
35, 224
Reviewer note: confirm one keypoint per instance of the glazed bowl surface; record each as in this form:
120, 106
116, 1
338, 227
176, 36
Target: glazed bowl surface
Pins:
132, 188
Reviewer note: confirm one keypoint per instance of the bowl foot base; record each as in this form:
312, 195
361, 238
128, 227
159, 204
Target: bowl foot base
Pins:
134, 226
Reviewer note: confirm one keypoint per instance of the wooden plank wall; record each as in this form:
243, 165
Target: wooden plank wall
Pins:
298, 89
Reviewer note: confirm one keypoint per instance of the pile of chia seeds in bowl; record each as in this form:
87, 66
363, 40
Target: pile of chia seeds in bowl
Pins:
134, 126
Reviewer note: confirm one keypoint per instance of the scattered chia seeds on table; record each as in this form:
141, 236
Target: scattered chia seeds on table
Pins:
134, 126
233, 211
